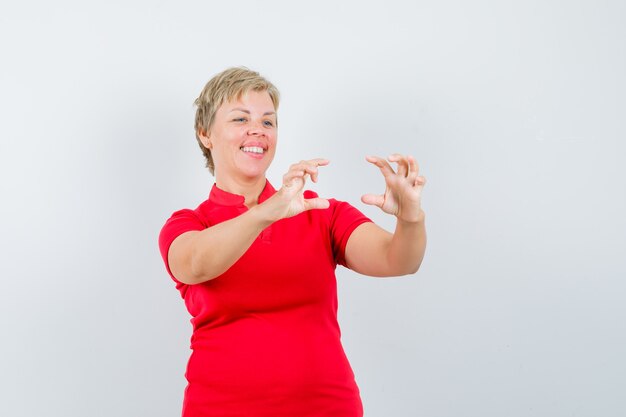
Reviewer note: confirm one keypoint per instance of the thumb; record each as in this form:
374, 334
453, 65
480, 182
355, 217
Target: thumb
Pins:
316, 203
373, 199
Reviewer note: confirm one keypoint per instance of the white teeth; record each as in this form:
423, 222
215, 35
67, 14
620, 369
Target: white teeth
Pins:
252, 149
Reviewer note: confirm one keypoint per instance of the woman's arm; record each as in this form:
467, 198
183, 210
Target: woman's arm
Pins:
373, 251
199, 256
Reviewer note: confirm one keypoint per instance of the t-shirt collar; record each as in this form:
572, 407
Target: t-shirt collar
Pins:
224, 198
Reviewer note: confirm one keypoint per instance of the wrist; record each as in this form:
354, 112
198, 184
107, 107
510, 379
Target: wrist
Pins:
261, 215
416, 221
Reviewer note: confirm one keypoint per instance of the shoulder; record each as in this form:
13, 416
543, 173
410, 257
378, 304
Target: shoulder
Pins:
181, 221
340, 220
197, 215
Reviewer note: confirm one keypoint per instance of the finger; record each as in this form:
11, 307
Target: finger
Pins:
413, 165
382, 164
316, 203
373, 199
413, 171
313, 164
312, 171
290, 176
316, 162
420, 182
403, 163
294, 172
310, 166
319, 162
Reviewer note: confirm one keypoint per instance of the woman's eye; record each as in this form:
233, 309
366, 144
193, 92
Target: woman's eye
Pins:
268, 123
239, 119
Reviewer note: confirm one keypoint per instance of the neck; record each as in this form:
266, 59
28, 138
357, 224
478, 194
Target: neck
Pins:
250, 189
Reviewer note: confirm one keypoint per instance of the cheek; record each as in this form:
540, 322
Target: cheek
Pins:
233, 136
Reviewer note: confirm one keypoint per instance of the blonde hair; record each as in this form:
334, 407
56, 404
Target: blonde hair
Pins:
226, 86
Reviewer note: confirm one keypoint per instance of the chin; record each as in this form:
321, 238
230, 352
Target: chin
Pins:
253, 172
256, 169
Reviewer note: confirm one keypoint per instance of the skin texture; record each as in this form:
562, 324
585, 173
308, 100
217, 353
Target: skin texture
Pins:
250, 121
372, 250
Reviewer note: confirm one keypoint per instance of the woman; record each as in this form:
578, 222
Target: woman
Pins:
255, 265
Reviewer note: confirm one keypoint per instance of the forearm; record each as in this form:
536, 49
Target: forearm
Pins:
219, 247
212, 251
407, 246
376, 252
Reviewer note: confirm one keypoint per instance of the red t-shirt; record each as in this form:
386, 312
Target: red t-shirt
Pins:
266, 341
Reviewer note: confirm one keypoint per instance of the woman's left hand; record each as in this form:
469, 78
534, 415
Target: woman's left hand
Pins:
403, 191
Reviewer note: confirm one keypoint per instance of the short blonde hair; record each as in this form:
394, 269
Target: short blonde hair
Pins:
225, 86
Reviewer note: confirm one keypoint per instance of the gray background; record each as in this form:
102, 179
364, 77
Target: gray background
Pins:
515, 111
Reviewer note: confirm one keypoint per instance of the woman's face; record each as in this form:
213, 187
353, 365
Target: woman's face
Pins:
243, 137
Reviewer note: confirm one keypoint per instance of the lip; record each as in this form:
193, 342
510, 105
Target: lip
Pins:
255, 144
255, 155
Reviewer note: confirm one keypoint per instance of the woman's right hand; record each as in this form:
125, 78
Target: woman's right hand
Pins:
289, 200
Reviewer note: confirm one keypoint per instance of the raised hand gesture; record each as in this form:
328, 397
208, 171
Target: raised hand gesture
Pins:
402, 196
289, 200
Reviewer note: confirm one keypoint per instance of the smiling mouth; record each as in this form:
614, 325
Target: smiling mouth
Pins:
253, 149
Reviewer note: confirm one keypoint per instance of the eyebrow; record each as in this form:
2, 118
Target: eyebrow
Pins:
267, 113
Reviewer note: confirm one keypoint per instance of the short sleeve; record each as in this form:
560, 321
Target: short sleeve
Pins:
180, 222
344, 219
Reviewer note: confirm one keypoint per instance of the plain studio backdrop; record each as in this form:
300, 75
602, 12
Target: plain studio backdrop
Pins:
515, 112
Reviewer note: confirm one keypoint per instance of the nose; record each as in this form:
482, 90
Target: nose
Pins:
256, 129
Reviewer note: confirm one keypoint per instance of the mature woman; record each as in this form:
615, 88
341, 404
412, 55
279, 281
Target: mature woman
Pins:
255, 265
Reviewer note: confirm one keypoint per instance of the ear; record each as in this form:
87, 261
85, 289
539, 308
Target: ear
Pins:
204, 138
